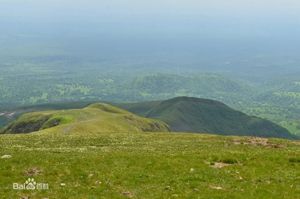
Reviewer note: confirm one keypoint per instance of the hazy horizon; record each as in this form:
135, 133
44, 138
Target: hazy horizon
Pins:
193, 35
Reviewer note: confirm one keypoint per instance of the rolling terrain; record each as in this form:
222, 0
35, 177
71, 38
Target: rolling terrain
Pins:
91, 102
100, 117
101, 151
275, 98
181, 114
187, 114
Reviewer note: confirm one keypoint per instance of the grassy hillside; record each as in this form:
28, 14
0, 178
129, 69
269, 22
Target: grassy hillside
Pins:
98, 116
149, 165
9, 114
202, 115
181, 114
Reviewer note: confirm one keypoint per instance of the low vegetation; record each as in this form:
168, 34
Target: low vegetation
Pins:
95, 117
149, 165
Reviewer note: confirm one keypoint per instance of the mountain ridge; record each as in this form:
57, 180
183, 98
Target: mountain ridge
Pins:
97, 117
190, 114
180, 114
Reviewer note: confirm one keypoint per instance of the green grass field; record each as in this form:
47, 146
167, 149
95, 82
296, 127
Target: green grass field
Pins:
149, 165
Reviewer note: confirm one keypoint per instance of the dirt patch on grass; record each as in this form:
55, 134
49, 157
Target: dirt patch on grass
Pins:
24, 197
6, 157
219, 165
127, 194
256, 141
216, 187
34, 171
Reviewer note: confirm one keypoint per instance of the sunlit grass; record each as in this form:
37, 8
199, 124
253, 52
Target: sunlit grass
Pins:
150, 165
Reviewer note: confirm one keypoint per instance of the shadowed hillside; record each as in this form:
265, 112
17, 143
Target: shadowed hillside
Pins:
203, 115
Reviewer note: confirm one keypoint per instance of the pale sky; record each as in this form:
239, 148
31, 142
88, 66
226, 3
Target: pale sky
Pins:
55, 10
214, 26
189, 18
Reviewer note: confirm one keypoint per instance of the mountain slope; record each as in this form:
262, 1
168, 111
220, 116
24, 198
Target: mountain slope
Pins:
98, 117
202, 115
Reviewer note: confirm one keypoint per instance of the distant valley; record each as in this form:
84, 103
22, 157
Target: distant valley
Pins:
276, 99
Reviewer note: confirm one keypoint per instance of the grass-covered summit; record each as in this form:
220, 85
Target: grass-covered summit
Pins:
93, 118
189, 114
